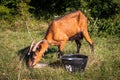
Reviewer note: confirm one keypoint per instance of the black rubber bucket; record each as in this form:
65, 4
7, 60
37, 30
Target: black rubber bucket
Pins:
74, 62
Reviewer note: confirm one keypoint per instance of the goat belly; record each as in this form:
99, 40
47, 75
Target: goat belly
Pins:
77, 36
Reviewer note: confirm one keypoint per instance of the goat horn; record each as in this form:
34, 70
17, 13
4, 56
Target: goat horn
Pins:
36, 45
32, 44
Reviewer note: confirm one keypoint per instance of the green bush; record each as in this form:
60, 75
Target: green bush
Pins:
103, 15
104, 27
4, 10
103, 8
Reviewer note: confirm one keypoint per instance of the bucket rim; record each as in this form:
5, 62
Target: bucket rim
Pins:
69, 57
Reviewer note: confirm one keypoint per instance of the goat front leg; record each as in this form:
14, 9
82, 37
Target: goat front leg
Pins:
89, 40
60, 49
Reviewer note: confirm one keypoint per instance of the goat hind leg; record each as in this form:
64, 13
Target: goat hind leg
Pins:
89, 40
78, 43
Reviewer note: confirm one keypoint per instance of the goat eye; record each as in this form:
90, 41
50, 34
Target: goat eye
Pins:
34, 54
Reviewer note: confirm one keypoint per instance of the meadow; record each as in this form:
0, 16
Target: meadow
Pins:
104, 64
22, 21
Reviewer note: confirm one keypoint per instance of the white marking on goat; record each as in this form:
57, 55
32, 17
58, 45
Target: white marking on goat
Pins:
46, 50
28, 53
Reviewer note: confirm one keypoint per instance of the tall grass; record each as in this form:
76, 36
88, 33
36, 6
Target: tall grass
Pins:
103, 65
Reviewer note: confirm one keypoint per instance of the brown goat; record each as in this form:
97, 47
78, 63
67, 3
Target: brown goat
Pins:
72, 26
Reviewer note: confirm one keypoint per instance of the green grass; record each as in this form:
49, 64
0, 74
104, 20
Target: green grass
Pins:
103, 65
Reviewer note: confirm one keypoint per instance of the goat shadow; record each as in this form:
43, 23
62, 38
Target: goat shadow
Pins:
56, 64
22, 53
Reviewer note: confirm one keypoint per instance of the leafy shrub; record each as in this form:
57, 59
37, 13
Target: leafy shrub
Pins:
104, 27
4, 10
103, 8
103, 15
